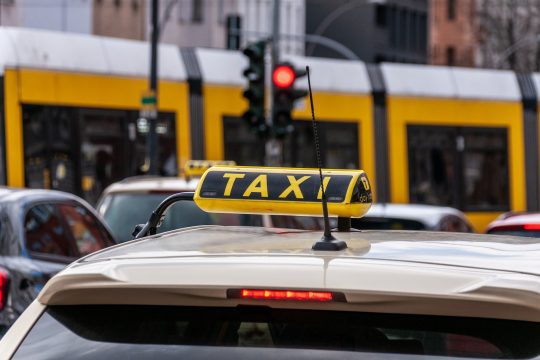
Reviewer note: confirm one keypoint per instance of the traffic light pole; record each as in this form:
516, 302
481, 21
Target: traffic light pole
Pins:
152, 141
274, 147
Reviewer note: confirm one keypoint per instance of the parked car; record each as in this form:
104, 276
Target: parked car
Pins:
520, 224
41, 231
127, 203
413, 217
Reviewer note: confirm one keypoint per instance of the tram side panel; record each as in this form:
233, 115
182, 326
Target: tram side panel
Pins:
456, 139
82, 141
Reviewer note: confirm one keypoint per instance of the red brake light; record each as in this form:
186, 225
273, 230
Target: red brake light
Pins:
531, 226
286, 295
283, 76
3, 288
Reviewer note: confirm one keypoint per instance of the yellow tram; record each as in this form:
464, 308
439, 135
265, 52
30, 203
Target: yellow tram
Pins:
466, 138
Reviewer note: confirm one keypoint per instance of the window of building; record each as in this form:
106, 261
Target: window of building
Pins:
455, 166
423, 33
403, 24
451, 9
414, 32
380, 15
197, 11
450, 56
392, 23
234, 26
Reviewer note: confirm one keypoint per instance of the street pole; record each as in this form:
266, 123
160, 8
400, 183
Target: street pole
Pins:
152, 142
274, 147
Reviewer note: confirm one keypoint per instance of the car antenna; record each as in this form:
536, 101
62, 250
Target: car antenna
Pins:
327, 242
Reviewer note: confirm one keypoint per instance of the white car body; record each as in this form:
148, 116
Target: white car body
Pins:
422, 273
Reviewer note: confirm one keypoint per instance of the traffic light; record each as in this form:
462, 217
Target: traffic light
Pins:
254, 93
283, 78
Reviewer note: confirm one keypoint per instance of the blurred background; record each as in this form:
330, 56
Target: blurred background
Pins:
435, 99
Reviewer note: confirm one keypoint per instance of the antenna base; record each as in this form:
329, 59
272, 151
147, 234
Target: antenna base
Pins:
331, 244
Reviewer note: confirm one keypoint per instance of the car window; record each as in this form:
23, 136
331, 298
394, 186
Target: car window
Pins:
126, 210
84, 228
46, 233
382, 223
130, 331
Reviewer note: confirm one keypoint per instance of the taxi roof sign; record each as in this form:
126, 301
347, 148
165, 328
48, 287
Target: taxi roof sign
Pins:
198, 167
284, 191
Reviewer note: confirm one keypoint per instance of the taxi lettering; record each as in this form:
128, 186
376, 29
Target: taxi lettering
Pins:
294, 187
232, 177
259, 185
252, 190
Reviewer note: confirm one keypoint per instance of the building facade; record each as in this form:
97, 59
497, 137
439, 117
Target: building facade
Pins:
120, 18
59, 15
203, 23
453, 39
374, 30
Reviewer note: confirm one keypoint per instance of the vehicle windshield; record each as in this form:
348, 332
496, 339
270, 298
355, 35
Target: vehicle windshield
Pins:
149, 332
125, 210
527, 233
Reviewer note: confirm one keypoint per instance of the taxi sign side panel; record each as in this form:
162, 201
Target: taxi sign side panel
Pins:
283, 191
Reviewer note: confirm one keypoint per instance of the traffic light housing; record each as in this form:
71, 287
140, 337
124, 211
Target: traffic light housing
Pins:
284, 76
255, 91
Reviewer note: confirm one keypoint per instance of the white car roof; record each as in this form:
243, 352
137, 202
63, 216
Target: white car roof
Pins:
390, 271
426, 214
152, 183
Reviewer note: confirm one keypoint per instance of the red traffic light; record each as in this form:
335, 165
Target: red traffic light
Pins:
283, 76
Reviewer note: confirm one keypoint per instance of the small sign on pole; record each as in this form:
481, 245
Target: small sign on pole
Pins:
148, 105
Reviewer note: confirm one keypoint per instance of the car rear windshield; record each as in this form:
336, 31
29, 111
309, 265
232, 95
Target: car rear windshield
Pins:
125, 211
147, 332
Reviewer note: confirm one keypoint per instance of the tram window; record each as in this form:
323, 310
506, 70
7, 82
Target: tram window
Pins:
485, 169
240, 143
432, 165
82, 151
338, 142
465, 168
48, 147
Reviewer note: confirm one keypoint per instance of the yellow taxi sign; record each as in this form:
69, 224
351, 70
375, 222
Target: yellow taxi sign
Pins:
285, 191
198, 167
